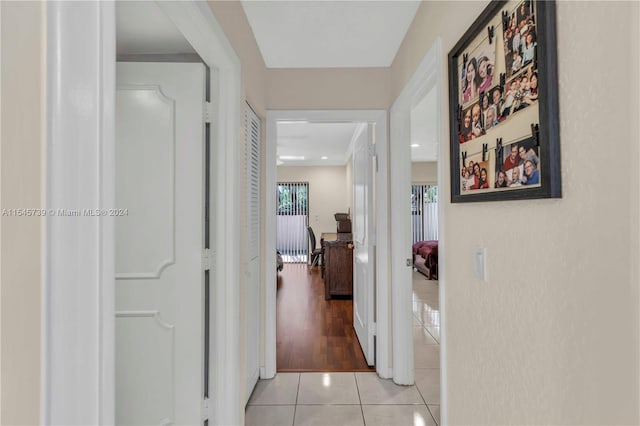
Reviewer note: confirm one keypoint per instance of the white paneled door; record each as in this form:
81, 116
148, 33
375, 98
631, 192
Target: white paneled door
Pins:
363, 255
159, 243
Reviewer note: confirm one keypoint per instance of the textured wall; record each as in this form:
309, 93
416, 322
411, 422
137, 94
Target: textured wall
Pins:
552, 337
328, 88
327, 193
424, 172
21, 152
233, 21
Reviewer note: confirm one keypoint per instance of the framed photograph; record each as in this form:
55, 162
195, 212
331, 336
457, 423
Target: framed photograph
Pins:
503, 97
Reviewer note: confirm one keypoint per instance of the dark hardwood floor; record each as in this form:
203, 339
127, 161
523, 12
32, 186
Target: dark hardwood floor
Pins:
314, 334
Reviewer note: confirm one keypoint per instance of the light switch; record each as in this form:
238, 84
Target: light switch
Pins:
480, 263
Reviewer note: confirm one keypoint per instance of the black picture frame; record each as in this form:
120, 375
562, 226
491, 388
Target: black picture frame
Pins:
541, 134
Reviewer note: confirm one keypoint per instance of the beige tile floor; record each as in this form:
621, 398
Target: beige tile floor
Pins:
331, 399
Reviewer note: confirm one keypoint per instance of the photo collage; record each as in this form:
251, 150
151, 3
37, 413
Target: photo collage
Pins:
498, 78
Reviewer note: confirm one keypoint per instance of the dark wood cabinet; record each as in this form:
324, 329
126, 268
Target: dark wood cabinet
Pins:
338, 264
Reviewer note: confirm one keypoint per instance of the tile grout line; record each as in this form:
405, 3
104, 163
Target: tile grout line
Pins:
432, 336
422, 396
417, 387
355, 377
432, 416
419, 391
425, 402
295, 407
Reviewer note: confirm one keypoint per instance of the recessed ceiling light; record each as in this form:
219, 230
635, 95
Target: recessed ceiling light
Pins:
291, 157
324, 158
293, 122
415, 145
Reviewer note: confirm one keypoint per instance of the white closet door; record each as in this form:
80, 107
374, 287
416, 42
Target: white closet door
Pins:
159, 243
252, 247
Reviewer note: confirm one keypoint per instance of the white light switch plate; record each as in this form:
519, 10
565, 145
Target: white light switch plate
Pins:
480, 263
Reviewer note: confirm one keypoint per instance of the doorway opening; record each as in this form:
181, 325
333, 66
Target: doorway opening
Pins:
417, 155
328, 170
315, 184
80, 260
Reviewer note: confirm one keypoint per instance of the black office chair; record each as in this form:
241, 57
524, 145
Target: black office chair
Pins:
315, 253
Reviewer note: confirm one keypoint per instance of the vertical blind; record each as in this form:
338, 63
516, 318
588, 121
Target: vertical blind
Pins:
424, 212
292, 216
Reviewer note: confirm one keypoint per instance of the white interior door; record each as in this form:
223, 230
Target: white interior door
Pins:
363, 255
159, 243
253, 131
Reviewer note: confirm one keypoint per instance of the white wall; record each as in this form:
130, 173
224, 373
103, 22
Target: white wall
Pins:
424, 172
552, 337
328, 193
21, 151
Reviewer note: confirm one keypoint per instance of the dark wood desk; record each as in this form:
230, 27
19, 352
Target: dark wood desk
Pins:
337, 263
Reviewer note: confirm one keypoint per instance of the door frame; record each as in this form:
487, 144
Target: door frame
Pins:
379, 117
78, 310
427, 77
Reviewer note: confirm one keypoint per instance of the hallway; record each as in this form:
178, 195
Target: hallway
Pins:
361, 398
314, 334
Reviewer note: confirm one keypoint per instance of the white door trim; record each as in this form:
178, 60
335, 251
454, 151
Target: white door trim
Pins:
379, 117
427, 77
196, 22
78, 294
78, 275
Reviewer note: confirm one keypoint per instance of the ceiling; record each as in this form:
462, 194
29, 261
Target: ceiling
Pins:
329, 33
142, 28
312, 141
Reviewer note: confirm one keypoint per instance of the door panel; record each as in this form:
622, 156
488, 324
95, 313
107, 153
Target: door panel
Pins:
146, 146
252, 321
159, 270
253, 136
363, 284
144, 368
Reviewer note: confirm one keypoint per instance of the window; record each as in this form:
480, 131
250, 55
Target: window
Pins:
424, 212
291, 221
292, 198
